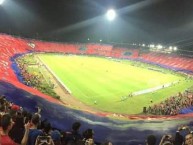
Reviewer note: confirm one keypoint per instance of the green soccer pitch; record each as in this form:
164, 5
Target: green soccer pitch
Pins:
105, 83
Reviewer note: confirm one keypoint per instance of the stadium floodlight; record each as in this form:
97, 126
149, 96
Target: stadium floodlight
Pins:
111, 14
88, 39
170, 47
143, 45
159, 46
152, 45
1, 2
175, 48
101, 40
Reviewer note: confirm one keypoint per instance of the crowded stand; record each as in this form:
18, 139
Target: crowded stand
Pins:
172, 105
19, 126
35, 77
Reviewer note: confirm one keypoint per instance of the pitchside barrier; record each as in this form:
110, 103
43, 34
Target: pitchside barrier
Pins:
56, 78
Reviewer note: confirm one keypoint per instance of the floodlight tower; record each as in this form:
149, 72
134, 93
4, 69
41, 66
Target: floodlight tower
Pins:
110, 15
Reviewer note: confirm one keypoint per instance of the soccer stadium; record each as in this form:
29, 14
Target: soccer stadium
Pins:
93, 92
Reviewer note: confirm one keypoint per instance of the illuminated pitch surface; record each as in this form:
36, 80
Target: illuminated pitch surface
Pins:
102, 83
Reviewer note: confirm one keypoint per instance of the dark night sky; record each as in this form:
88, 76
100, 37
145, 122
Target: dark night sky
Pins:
168, 22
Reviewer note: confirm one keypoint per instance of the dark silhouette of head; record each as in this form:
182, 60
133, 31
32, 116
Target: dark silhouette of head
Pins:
6, 122
76, 126
35, 119
151, 140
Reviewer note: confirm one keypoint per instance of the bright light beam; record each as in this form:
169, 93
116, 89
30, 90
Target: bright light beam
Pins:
111, 14
91, 21
1, 2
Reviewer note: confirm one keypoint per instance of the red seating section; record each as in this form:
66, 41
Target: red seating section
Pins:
56, 47
91, 49
9, 46
102, 50
170, 60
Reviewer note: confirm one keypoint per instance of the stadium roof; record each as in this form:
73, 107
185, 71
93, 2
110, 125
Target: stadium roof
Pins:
168, 22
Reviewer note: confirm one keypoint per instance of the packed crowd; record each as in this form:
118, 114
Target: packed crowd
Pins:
34, 77
30, 79
18, 126
183, 136
172, 105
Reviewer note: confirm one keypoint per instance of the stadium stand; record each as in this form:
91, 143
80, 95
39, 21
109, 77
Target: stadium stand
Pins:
17, 126
178, 63
29, 98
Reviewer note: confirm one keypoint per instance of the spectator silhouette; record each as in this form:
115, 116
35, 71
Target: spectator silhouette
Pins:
151, 140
